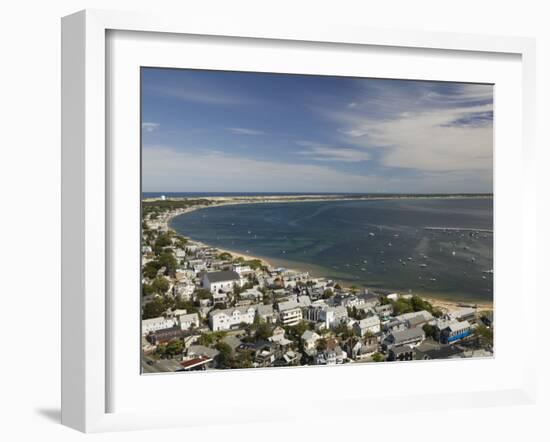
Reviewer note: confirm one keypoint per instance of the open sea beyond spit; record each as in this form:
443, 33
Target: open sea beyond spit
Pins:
372, 243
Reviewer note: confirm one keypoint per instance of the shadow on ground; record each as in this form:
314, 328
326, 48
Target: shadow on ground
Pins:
51, 414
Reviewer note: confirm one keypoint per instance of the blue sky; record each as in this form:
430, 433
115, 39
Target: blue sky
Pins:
214, 131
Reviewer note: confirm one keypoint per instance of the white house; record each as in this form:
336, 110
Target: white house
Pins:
188, 320
231, 317
224, 281
241, 269
184, 289
252, 293
265, 312
310, 339
367, 325
290, 312
154, 324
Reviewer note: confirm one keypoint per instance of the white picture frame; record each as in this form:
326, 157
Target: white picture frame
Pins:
87, 209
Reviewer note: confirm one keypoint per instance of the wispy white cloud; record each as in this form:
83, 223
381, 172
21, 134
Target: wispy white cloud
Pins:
245, 131
167, 169
434, 133
197, 94
149, 127
320, 152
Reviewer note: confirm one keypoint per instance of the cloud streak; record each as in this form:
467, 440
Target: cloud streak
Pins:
150, 127
245, 131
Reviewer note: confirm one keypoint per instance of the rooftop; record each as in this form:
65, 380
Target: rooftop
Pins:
222, 276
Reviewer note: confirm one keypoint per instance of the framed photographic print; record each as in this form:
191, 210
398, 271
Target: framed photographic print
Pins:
286, 210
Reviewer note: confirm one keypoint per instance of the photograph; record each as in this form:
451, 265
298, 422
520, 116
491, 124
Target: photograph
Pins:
293, 220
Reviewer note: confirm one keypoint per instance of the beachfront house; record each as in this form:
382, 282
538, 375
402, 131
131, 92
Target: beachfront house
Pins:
220, 281
242, 269
454, 331
464, 314
384, 310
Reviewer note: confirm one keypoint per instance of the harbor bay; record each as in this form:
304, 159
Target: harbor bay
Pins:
438, 247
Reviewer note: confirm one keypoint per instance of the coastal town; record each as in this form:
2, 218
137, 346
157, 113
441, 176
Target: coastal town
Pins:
204, 308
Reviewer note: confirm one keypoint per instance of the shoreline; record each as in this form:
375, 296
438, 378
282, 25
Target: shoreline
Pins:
442, 302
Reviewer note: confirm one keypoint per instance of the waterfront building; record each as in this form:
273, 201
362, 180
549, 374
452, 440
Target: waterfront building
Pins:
241, 269
384, 310
464, 314
454, 331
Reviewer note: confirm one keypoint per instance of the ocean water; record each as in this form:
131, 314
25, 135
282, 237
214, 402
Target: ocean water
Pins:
376, 243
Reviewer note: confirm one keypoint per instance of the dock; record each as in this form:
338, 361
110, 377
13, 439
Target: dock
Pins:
459, 229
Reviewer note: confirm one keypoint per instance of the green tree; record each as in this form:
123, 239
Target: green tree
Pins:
185, 305
263, 330
147, 289
203, 294
206, 339
377, 357
160, 285
225, 357
225, 256
322, 344
163, 240
484, 334
429, 330
174, 347
168, 260
150, 269
154, 308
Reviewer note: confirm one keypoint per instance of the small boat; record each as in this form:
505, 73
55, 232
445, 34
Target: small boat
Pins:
423, 265
371, 234
409, 258
363, 269
454, 253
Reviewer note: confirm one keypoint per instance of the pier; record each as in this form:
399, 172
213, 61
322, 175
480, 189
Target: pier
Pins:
459, 229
